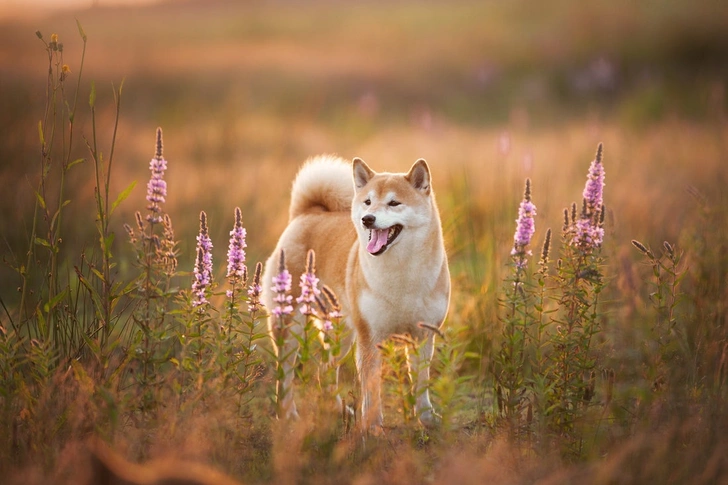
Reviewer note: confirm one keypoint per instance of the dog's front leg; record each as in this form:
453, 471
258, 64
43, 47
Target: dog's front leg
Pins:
369, 362
418, 362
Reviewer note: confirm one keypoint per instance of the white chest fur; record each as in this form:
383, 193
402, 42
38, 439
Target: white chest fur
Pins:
401, 294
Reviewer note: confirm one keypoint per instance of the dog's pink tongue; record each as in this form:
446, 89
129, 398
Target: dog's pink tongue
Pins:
379, 239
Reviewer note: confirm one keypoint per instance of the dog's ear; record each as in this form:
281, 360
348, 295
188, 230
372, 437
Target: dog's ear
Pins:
419, 176
362, 173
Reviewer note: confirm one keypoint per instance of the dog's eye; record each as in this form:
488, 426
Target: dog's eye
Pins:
368, 202
393, 203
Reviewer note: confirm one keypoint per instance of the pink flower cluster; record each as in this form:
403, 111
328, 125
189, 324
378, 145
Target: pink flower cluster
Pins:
525, 228
203, 265
587, 233
157, 186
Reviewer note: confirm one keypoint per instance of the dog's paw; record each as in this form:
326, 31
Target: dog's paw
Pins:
430, 419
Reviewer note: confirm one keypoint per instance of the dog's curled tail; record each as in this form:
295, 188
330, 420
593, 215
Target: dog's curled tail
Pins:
324, 184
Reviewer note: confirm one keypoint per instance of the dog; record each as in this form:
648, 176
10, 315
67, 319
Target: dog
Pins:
378, 243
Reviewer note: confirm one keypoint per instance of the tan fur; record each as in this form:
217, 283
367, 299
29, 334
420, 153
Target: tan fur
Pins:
405, 284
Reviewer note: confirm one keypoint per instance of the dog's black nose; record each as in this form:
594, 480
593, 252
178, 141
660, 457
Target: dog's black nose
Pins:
368, 220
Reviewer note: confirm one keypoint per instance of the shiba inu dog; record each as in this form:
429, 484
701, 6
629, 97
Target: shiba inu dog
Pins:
378, 244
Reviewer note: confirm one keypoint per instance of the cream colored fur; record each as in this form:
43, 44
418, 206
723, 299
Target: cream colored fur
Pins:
336, 209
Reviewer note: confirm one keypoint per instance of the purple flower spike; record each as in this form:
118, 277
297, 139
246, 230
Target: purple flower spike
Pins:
157, 187
525, 227
587, 233
309, 286
236, 250
282, 289
203, 264
594, 188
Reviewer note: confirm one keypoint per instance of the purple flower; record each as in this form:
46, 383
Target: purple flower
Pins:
309, 286
594, 188
587, 233
203, 264
156, 187
525, 227
201, 280
236, 250
282, 289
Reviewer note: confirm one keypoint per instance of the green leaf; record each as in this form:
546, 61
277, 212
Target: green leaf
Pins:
41, 200
97, 273
42, 242
55, 300
108, 242
80, 30
91, 290
122, 196
40, 133
75, 162
41, 321
92, 96
92, 344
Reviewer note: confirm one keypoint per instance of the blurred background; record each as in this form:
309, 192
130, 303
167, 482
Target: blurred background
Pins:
489, 92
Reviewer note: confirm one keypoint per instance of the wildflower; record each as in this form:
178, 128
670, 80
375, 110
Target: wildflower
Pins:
203, 264
236, 250
65, 71
157, 187
309, 285
587, 232
587, 235
594, 188
282, 289
201, 280
254, 290
525, 227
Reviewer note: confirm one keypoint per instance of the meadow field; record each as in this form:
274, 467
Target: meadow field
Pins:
605, 362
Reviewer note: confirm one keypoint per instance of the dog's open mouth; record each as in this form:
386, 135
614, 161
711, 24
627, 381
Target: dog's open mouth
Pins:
381, 239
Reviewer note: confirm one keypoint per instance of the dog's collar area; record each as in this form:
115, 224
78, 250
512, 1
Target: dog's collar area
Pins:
381, 239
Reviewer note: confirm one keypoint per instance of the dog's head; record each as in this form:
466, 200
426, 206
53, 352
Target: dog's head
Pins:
391, 207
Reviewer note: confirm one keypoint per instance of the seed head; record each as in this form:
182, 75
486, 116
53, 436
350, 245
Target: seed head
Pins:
255, 289
641, 247
546, 248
